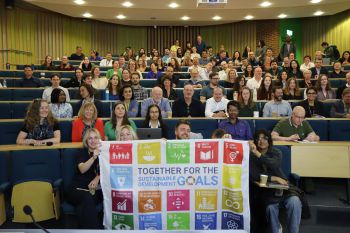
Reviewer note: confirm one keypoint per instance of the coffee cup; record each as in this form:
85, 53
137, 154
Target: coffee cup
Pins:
263, 179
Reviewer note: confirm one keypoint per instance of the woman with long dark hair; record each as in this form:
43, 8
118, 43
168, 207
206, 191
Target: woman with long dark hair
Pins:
154, 119
118, 119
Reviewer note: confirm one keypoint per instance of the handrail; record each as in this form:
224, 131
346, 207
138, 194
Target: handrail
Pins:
16, 51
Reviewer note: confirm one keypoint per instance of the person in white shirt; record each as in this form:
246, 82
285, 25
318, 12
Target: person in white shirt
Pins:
107, 61
216, 106
307, 64
98, 82
196, 65
222, 73
55, 81
206, 71
254, 83
194, 53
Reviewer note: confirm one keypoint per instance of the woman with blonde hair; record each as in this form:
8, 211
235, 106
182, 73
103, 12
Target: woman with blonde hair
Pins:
126, 133
87, 119
83, 191
230, 81
40, 127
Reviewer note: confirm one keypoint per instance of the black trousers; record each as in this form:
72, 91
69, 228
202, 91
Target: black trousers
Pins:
85, 205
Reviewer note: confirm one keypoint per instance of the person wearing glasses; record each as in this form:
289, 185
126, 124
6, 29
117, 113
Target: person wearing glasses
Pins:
295, 128
265, 203
313, 107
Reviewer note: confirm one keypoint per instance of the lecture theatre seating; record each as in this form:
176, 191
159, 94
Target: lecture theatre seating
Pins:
328, 129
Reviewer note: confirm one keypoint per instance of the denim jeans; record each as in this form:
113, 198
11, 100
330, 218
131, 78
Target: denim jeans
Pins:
293, 208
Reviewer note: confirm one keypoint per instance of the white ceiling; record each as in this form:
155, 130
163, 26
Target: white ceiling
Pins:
157, 12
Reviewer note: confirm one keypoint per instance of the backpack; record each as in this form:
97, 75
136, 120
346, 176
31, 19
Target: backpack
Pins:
335, 52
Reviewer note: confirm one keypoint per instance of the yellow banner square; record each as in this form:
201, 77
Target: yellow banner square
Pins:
206, 199
148, 153
232, 177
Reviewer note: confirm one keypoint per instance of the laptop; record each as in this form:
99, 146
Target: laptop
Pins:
149, 133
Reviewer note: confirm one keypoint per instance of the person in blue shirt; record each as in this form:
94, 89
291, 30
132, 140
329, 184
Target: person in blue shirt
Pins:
237, 128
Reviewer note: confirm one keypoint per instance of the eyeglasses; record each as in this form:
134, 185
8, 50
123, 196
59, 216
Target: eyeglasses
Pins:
263, 138
311, 93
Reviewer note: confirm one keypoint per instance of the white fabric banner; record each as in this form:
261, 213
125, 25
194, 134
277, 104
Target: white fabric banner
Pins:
175, 184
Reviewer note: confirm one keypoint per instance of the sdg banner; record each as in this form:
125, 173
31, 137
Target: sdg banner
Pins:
175, 184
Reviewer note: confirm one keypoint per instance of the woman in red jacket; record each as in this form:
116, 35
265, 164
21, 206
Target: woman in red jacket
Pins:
87, 119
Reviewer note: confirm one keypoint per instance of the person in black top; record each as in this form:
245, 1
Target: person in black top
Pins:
337, 72
318, 69
168, 91
264, 159
86, 93
188, 106
77, 80
313, 107
40, 126
78, 55
154, 119
48, 64
84, 191
29, 80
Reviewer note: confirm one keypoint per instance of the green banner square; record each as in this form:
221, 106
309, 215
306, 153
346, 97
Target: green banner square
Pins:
178, 221
122, 222
177, 152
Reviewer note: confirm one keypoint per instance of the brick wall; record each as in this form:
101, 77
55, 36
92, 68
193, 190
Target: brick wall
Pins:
268, 30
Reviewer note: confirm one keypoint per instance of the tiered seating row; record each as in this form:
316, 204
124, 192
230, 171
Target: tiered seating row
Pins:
18, 109
327, 129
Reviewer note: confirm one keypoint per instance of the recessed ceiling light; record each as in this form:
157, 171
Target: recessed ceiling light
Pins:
79, 2
282, 16
265, 4
87, 15
120, 16
216, 17
315, 1
127, 4
249, 17
317, 13
185, 17
173, 5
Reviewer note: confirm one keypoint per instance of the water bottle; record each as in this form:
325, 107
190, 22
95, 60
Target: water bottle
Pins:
4, 84
107, 95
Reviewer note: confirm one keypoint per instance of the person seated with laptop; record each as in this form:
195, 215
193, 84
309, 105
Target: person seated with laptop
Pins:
265, 203
154, 119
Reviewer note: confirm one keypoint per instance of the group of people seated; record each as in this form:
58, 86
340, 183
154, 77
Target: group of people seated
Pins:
262, 79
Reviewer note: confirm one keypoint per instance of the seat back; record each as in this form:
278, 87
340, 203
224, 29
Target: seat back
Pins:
35, 165
339, 130
69, 165
36, 194
9, 132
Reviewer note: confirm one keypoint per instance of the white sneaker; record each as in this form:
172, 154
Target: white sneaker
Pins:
280, 230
